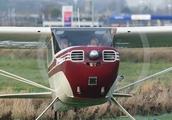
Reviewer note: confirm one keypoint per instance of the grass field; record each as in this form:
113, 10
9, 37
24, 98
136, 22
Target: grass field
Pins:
152, 97
160, 117
24, 64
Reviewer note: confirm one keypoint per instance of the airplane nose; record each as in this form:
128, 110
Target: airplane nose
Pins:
94, 54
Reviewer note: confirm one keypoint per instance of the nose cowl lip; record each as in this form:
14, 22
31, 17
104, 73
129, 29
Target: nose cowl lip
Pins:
94, 54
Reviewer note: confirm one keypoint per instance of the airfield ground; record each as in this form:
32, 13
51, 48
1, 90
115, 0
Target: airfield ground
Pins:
152, 97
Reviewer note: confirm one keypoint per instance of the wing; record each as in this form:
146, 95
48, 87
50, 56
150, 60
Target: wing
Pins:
143, 36
25, 34
27, 95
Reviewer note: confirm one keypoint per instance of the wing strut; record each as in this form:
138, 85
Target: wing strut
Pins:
144, 79
47, 108
121, 108
18, 78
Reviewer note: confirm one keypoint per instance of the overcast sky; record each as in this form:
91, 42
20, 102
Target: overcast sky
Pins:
147, 2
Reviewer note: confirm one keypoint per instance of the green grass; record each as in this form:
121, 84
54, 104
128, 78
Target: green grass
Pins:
26, 68
135, 71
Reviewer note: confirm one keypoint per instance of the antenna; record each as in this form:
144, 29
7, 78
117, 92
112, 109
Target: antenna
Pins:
78, 17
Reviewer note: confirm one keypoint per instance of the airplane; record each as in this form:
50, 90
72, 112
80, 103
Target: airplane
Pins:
80, 69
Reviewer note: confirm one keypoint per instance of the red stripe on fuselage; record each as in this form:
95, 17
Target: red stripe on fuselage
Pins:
58, 55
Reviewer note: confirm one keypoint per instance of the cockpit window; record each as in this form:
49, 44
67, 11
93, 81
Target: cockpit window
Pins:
67, 37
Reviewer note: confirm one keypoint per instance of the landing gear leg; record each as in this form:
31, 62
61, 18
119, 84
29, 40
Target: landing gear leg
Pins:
121, 108
47, 108
55, 115
76, 117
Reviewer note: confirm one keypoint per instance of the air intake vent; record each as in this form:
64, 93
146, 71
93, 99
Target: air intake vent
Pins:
77, 56
109, 56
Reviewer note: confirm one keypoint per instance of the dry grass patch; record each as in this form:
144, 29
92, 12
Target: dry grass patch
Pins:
138, 54
27, 109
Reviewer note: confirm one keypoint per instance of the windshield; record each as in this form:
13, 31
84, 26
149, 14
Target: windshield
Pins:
67, 37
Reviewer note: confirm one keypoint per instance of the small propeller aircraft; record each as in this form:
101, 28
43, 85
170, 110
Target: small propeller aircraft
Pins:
76, 67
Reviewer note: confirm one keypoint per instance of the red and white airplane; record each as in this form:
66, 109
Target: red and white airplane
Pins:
82, 75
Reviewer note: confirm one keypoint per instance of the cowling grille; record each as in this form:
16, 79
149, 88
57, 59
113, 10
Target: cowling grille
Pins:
77, 56
110, 56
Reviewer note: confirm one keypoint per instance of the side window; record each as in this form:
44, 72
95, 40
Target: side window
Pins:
55, 43
56, 46
49, 48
